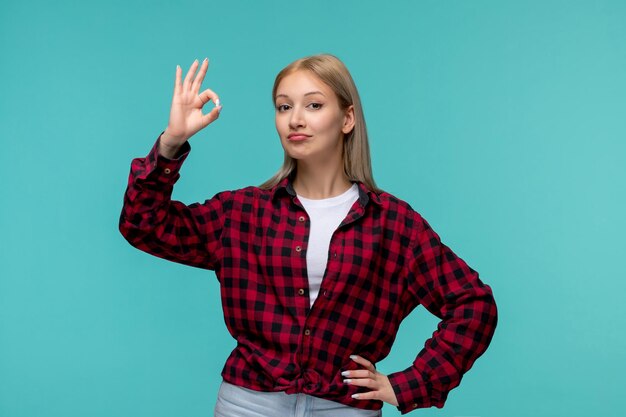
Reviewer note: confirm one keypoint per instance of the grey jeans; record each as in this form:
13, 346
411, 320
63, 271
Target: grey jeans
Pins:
236, 401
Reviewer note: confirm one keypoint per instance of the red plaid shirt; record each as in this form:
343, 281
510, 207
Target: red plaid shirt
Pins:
383, 261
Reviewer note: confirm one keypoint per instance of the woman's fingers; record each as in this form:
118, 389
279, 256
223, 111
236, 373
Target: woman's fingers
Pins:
192, 70
365, 379
197, 82
379, 385
362, 377
186, 117
207, 95
362, 361
210, 117
177, 81
360, 373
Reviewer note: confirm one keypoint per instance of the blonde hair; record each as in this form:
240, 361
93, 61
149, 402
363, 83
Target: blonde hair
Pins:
356, 153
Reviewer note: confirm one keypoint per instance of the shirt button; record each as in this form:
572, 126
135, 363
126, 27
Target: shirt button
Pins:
167, 170
298, 248
307, 332
414, 405
301, 218
301, 291
334, 254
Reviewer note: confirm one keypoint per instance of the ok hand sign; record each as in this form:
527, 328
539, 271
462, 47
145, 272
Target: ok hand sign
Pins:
186, 117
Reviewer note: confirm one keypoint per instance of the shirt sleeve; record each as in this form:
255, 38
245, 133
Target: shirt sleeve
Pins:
447, 287
153, 223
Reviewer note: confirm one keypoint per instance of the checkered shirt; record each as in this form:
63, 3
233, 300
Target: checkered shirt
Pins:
384, 260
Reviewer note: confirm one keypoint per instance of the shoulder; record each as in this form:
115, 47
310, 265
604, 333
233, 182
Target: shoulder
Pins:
249, 195
404, 219
415, 227
395, 206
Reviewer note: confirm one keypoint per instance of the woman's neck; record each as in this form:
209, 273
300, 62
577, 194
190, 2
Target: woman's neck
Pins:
320, 182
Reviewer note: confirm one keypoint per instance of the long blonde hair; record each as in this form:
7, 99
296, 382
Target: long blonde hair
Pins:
356, 152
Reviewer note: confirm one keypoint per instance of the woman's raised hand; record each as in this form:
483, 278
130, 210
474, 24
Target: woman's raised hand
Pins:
186, 117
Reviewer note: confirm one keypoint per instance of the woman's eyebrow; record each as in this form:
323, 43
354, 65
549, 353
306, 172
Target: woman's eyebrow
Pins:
307, 94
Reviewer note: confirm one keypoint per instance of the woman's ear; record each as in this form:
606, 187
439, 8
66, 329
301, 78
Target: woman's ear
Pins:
348, 122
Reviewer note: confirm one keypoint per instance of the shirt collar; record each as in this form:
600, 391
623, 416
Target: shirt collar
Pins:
286, 185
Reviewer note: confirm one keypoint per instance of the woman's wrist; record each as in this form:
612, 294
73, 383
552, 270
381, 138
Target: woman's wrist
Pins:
166, 147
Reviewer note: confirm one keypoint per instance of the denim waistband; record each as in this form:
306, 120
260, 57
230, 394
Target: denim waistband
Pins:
236, 401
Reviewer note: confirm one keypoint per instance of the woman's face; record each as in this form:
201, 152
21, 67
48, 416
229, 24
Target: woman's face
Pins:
309, 121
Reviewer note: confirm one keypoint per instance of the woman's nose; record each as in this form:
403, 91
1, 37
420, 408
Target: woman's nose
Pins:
297, 119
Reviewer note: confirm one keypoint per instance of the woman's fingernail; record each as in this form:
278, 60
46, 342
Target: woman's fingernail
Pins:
353, 357
347, 381
345, 373
355, 396
217, 102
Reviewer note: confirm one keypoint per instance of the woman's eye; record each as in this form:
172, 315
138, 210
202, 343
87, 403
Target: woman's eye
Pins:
315, 106
282, 107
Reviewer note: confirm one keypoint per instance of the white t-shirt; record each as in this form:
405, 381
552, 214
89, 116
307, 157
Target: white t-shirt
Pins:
325, 215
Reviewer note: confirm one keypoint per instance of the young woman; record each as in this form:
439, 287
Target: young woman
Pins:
317, 266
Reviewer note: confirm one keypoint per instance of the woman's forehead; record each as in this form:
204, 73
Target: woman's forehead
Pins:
300, 84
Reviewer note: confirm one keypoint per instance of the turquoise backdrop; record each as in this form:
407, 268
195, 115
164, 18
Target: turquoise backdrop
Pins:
502, 122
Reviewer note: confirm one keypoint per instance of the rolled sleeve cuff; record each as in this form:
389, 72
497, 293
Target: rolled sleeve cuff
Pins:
412, 391
167, 170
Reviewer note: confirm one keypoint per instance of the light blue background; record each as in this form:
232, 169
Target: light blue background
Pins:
502, 122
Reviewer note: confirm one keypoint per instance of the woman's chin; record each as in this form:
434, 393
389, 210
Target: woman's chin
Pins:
295, 155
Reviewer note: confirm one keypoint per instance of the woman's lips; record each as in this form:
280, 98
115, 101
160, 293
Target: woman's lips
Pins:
297, 137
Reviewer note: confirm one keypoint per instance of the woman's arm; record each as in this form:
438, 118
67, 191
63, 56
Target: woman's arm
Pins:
150, 220
447, 287
153, 223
